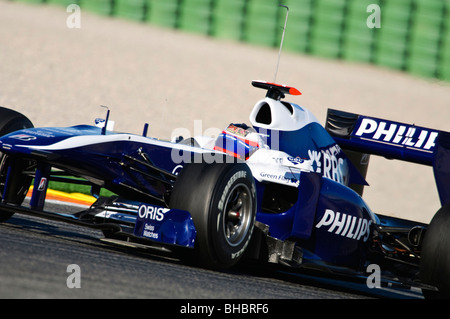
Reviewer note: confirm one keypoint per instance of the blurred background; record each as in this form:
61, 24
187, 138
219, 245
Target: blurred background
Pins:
411, 35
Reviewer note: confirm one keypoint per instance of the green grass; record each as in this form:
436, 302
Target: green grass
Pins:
76, 188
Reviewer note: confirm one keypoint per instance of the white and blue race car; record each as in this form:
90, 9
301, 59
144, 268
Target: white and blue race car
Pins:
284, 189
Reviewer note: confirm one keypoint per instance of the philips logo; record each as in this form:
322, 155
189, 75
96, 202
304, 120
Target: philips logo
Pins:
152, 212
398, 134
345, 225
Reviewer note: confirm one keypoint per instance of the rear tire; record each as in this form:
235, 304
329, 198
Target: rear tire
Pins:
435, 258
11, 121
221, 199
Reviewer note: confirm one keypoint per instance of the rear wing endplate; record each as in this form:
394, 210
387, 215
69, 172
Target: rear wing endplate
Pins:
394, 140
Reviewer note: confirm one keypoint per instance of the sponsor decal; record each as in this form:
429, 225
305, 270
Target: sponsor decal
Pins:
397, 134
149, 231
288, 177
345, 225
165, 225
330, 163
42, 184
150, 212
237, 130
295, 160
24, 137
43, 132
147, 216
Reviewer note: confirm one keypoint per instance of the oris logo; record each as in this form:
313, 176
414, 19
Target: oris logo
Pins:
152, 212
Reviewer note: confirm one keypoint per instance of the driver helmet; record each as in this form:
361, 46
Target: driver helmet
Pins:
239, 140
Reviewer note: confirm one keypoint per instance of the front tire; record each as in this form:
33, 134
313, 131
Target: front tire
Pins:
11, 121
221, 199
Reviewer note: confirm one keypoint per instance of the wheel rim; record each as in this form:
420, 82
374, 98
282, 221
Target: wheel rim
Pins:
237, 214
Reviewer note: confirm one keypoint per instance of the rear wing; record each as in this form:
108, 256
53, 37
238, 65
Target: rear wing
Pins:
394, 140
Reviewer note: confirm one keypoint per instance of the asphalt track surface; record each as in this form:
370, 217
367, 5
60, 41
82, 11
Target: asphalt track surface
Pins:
36, 254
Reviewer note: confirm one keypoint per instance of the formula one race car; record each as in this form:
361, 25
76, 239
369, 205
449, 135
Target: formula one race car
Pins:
284, 190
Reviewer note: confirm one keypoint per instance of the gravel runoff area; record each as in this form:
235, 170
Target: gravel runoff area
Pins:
181, 82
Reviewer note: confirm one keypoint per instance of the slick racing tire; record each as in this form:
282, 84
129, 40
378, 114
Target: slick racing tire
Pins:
11, 121
221, 199
435, 258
